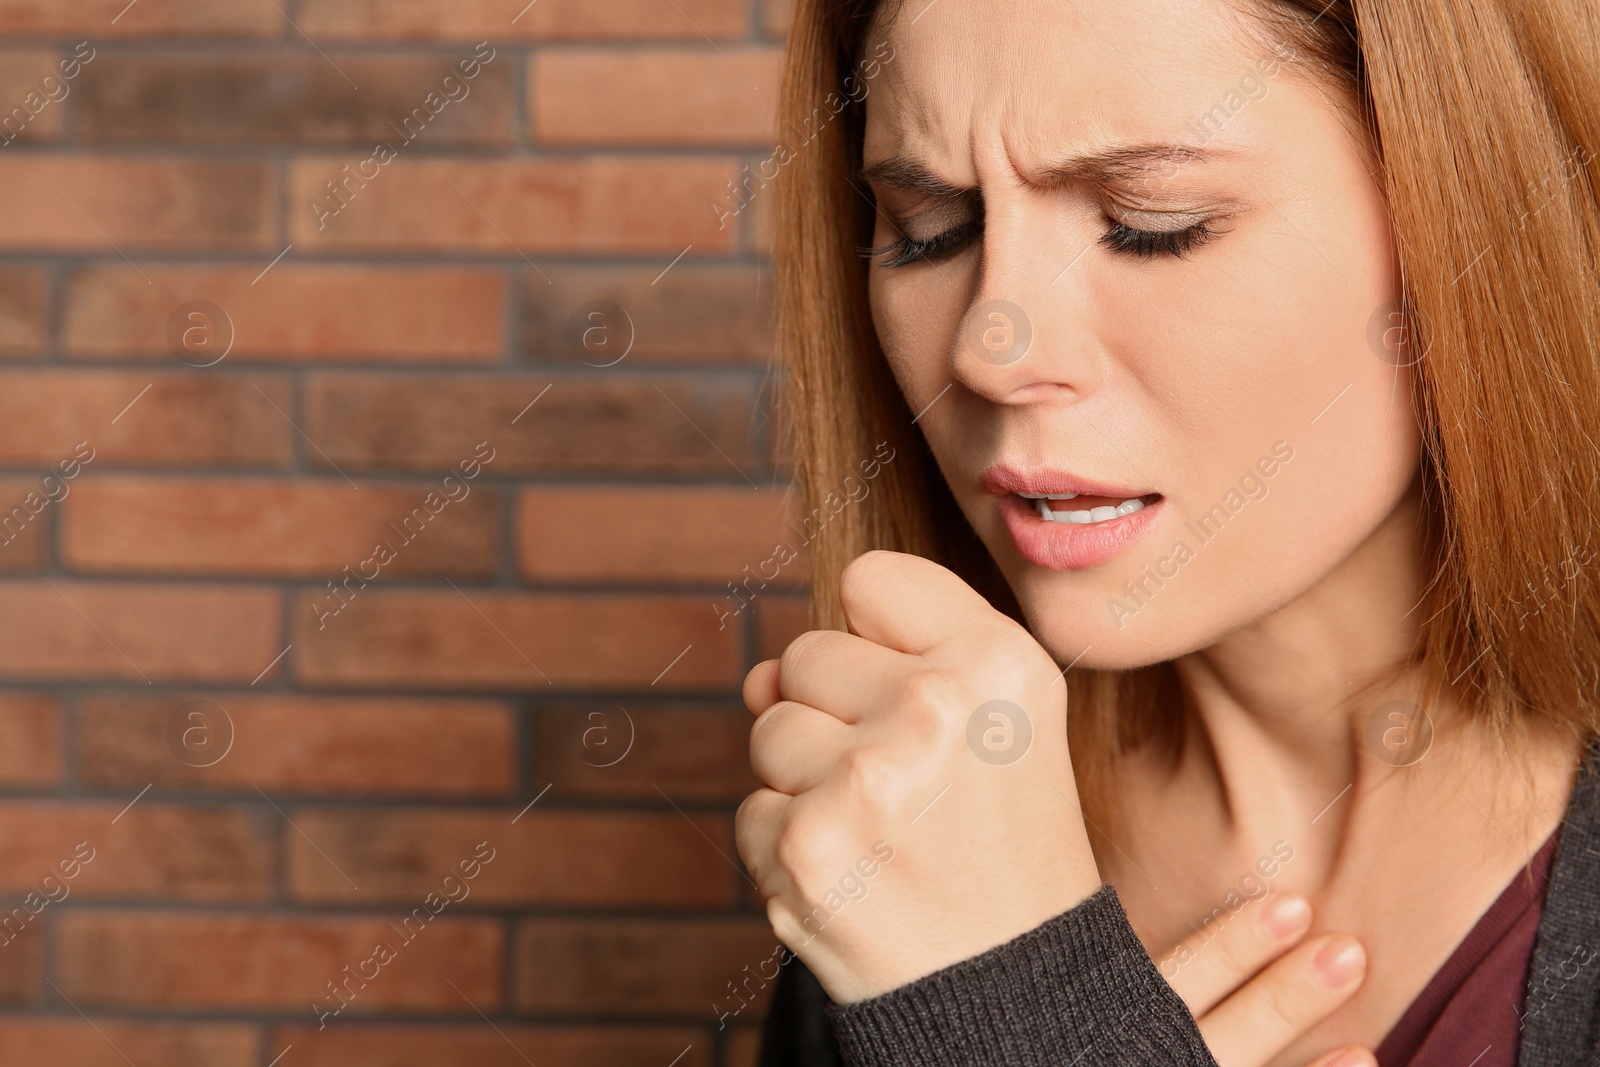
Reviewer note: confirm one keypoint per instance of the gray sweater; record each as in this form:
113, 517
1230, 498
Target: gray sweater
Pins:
1081, 989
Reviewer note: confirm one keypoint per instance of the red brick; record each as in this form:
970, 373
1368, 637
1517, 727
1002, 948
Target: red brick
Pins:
31, 108
30, 740
187, 419
292, 312
299, 744
641, 751
155, 850
104, 204
689, 534
693, 313
175, 633
575, 858
283, 528
655, 96
474, 20
24, 312
641, 967
26, 517
405, 422
114, 1043
105, 18
511, 209
779, 620
486, 638
292, 98
22, 958
503, 1045
233, 962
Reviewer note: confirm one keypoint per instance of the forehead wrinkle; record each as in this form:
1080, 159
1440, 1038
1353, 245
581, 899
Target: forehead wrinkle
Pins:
1098, 166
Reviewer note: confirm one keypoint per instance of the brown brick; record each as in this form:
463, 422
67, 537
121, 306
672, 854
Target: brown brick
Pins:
399, 422
546, 857
688, 534
80, 630
26, 516
155, 850
779, 430
484, 638
210, 18
231, 962
188, 419
303, 528
640, 751
30, 740
776, 16
474, 20
663, 96
114, 1043
104, 204
690, 314
24, 312
503, 1045
297, 744
292, 312
742, 1046
512, 208
641, 967
288, 98
22, 957
33, 95
757, 216
779, 620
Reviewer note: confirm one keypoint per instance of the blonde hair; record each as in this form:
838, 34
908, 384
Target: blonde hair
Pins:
1484, 119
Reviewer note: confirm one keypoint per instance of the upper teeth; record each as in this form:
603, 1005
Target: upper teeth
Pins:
1100, 514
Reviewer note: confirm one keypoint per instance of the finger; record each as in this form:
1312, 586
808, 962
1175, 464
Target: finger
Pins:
755, 834
906, 602
1209, 965
794, 747
1292, 995
839, 673
761, 686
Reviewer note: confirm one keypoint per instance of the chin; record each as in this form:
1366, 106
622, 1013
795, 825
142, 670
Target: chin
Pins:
1074, 625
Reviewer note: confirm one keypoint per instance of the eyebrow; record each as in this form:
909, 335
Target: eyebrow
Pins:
1103, 166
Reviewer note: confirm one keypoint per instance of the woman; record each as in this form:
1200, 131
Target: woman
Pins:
1224, 372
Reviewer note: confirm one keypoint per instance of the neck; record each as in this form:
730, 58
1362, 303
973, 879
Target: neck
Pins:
1310, 721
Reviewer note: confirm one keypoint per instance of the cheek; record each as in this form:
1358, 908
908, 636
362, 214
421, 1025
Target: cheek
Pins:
917, 314
1264, 349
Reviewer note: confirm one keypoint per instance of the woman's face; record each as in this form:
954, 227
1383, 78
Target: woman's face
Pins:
1148, 260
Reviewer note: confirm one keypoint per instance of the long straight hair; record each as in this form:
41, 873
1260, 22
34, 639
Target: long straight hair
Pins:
1485, 120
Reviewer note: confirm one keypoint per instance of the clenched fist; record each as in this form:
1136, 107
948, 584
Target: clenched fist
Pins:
920, 806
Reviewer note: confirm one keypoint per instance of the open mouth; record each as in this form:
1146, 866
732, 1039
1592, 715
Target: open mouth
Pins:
1083, 509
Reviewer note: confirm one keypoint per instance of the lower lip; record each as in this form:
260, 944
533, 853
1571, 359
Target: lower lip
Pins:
1072, 546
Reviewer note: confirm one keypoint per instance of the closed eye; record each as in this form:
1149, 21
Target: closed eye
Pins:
1119, 238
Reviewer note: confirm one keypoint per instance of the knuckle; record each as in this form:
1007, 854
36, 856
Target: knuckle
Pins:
866, 772
923, 689
795, 850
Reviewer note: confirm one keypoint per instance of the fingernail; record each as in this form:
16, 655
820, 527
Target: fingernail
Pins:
1285, 915
1340, 960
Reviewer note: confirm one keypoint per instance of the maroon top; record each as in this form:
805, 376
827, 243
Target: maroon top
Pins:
1470, 1013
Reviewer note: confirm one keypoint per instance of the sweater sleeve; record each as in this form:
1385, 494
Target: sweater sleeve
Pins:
1078, 989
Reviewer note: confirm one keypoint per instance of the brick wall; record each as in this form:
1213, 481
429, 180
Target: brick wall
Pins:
353, 591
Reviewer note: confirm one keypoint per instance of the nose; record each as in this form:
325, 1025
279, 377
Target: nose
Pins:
1031, 331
